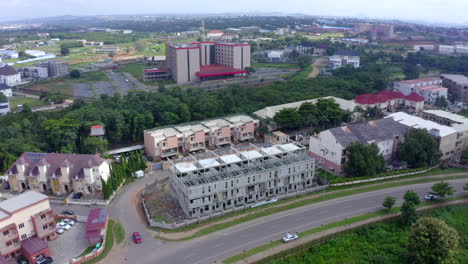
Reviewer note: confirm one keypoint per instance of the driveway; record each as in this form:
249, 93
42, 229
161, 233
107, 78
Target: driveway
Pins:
69, 244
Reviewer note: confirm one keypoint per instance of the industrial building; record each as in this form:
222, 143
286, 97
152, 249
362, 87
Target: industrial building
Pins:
198, 61
242, 177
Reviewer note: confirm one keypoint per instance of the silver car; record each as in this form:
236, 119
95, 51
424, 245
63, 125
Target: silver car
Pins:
290, 237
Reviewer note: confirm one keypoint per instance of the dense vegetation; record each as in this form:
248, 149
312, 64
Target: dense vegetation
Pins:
383, 243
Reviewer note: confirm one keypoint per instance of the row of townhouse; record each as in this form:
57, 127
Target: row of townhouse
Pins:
429, 88
391, 101
185, 138
26, 224
240, 178
58, 173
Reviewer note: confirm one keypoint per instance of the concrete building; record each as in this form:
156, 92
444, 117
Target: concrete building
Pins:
429, 88
35, 53
457, 85
425, 47
156, 74
156, 61
342, 58
4, 107
445, 136
35, 73
276, 56
461, 49
305, 48
182, 139
8, 54
378, 32
329, 147
192, 62
214, 34
9, 75
55, 68
391, 101
242, 178
6, 90
26, 223
445, 49
58, 173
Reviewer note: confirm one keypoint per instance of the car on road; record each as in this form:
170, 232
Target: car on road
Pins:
46, 260
77, 196
60, 230
137, 237
63, 225
69, 221
430, 197
68, 212
290, 237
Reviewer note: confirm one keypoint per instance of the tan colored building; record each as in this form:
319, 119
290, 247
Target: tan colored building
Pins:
457, 85
25, 217
198, 61
185, 138
58, 173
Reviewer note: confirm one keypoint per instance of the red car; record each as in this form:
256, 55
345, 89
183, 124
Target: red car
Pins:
137, 237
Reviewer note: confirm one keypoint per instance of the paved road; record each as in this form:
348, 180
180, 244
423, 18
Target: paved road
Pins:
217, 246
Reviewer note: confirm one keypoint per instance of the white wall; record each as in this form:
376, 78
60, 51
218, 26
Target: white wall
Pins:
326, 146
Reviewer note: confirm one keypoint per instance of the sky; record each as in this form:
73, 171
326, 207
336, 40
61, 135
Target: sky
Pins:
447, 11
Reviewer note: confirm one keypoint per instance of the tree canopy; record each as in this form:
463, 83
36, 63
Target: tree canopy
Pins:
363, 160
419, 149
442, 189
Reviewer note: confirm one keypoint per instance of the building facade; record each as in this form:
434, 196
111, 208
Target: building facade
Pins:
342, 58
4, 107
457, 85
6, 90
58, 173
9, 75
391, 101
24, 219
182, 139
242, 178
429, 88
156, 74
35, 73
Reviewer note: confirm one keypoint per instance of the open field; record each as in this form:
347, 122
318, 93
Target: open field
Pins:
326, 36
31, 102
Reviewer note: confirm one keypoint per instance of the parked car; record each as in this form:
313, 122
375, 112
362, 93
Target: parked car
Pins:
22, 260
136, 237
69, 221
60, 230
68, 212
6, 185
47, 260
290, 237
63, 225
77, 196
430, 197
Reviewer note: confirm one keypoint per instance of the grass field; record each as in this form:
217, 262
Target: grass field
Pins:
119, 233
326, 36
275, 65
31, 102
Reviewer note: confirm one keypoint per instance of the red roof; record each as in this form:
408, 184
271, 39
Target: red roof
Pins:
97, 127
414, 97
96, 219
385, 96
216, 70
33, 245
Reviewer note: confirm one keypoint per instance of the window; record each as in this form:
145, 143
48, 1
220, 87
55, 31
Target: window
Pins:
21, 225
43, 216
8, 243
44, 227
6, 233
24, 236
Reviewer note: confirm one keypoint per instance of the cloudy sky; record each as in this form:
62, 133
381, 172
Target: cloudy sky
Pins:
450, 11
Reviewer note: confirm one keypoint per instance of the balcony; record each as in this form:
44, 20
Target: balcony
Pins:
168, 152
4, 249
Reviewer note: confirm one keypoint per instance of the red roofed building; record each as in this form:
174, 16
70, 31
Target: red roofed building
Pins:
97, 130
214, 34
34, 248
96, 225
429, 88
391, 101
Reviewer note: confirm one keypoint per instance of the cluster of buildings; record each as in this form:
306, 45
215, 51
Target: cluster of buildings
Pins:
58, 173
429, 88
221, 36
167, 142
305, 48
379, 32
45, 69
343, 58
390, 101
442, 49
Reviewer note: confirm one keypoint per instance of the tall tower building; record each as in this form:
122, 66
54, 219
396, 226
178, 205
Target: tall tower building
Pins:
184, 62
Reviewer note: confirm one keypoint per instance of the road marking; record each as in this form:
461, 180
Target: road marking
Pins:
220, 244
189, 256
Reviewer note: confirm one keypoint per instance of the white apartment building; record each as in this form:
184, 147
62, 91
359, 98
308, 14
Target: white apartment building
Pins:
342, 58
6, 90
242, 178
185, 138
4, 107
445, 49
9, 75
429, 88
58, 173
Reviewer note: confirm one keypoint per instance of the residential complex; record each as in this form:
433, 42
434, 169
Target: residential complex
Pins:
342, 58
457, 85
26, 224
198, 136
191, 62
390, 101
429, 88
242, 177
329, 147
9, 75
376, 31
58, 173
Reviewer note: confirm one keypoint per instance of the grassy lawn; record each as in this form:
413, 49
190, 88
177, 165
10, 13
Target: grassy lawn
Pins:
326, 35
108, 246
135, 69
93, 76
119, 233
303, 74
275, 65
269, 209
31, 102
348, 221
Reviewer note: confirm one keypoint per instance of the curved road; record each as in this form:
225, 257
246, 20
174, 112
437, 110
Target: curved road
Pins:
215, 247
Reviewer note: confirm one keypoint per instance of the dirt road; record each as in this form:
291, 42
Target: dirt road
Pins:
317, 63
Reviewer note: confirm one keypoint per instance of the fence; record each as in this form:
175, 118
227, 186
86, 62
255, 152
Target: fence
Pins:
91, 255
187, 222
91, 202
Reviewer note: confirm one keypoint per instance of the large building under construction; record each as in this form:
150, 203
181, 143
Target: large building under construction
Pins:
198, 61
247, 176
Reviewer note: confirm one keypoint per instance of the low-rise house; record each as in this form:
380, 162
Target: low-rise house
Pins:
26, 224
96, 225
329, 147
342, 58
215, 34
429, 88
6, 90
9, 75
391, 101
320, 50
8, 54
457, 85
156, 74
185, 138
305, 48
58, 173
276, 56
445, 49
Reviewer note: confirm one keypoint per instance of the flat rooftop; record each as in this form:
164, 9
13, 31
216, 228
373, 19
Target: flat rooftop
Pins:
432, 88
458, 78
218, 70
183, 45
417, 122
420, 80
19, 202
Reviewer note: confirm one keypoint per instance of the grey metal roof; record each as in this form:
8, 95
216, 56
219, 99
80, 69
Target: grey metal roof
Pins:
21, 201
343, 52
378, 130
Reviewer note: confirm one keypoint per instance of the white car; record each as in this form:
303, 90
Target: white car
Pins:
430, 197
69, 221
290, 237
63, 225
60, 230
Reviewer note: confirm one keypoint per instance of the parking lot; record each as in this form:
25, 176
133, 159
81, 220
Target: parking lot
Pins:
69, 244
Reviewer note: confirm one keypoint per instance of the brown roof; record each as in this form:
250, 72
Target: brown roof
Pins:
53, 161
7, 70
33, 245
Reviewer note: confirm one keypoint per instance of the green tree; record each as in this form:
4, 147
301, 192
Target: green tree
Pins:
408, 213
26, 108
441, 102
363, 160
3, 97
75, 74
389, 202
288, 118
250, 69
442, 189
419, 149
64, 51
464, 157
412, 196
411, 71
432, 241
92, 145
465, 187
304, 61
111, 54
